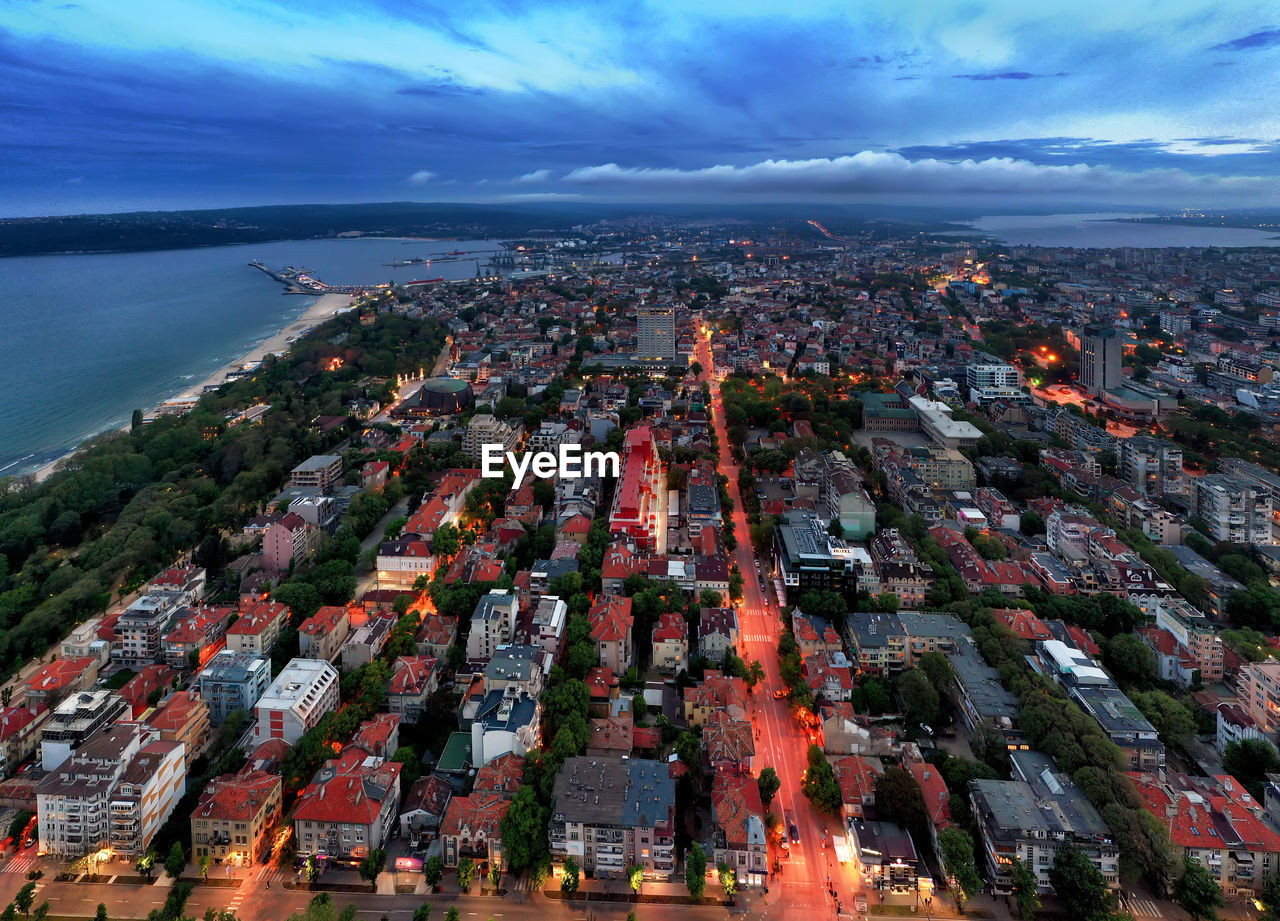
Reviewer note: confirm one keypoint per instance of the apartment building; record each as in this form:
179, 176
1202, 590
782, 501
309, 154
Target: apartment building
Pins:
236, 817
739, 837
302, 693
350, 807
809, 559
1216, 822
487, 429
286, 541
74, 721
1259, 687
115, 792
322, 634
232, 681
413, 680
609, 815
492, 624
258, 627
1153, 466
1235, 510
1033, 818
670, 641
611, 623
183, 717
139, 632
320, 472
20, 734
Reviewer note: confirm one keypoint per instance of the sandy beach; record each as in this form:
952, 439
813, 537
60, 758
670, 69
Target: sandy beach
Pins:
324, 308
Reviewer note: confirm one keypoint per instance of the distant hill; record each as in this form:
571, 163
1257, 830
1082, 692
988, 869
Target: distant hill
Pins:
157, 230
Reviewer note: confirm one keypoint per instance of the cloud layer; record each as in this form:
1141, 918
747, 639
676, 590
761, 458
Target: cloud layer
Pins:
186, 103
871, 173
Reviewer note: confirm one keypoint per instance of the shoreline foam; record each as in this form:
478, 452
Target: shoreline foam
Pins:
325, 307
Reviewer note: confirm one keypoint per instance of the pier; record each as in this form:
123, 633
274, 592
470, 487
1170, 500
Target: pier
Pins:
300, 281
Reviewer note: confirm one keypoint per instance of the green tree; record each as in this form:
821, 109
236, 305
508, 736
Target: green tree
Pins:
920, 701
176, 860
349, 913
1078, 883
957, 857
1025, 891
635, 878
1197, 892
570, 876
728, 880
1250, 761
41, 912
422, 912
24, 898
820, 783
466, 872
755, 674
372, 865
900, 799
639, 707
205, 862
453, 914
769, 784
101, 913
695, 871
937, 668
446, 541
1130, 661
433, 872
524, 830
146, 864
1175, 721
495, 875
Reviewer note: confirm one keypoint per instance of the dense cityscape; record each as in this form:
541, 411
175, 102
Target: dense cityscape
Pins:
937, 577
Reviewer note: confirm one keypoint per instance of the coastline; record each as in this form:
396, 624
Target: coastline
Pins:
325, 307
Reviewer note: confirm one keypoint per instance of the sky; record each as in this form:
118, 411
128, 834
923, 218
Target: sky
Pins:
112, 105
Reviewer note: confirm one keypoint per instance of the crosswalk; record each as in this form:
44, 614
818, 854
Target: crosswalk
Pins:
1144, 908
23, 864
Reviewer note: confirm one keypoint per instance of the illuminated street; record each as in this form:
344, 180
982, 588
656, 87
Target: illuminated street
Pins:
780, 741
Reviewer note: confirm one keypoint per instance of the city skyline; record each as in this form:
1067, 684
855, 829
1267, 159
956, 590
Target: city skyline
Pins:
128, 106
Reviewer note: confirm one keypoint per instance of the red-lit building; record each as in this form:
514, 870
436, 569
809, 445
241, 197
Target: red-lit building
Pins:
638, 502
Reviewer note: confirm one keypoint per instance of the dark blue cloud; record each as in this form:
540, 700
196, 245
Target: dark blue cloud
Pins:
340, 102
1263, 39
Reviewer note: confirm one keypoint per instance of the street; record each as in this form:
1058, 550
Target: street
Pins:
808, 869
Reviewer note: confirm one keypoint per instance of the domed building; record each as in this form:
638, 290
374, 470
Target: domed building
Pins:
440, 396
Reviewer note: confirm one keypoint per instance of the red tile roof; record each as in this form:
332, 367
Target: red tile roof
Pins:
237, 797
326, 620
1197, 811
937, 798
671, 627
475, 813
503, 774
60, 674
411, 675
257, 616
728, 741
177, 710
611, 619
735, 799
857, 780
345, 796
